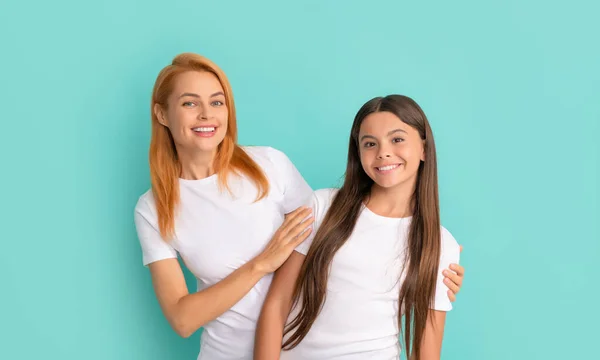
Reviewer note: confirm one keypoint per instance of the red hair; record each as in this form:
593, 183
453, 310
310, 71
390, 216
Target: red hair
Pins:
165, 168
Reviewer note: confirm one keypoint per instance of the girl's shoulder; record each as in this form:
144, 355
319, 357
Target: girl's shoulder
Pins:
450, 247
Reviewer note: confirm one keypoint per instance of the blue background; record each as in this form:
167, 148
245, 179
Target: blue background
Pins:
511, 89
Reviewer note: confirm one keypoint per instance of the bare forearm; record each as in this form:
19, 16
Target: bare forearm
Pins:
276, 309
430, 353
431, 344
188, 312
269, 332
193, 311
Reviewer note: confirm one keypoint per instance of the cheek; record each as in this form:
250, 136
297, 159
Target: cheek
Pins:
224, 122
366, 160
224, 116
412, 157
223, 128
182, 118
410, 153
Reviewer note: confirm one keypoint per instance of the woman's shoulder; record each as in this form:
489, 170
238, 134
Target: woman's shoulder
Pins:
274, 162
261, 153
145, 204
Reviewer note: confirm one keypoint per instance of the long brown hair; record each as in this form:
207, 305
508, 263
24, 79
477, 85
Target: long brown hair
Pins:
423, 249
165, 167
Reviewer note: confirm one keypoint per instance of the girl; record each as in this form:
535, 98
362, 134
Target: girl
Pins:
375, 255
231, 213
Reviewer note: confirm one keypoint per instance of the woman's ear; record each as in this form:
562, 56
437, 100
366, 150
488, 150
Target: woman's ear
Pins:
160, 114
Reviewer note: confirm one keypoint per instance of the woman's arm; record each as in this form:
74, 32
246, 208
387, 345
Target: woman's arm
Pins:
275, 311
188, 312
453, 278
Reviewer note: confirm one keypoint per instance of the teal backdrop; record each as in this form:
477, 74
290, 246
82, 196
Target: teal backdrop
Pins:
511, 89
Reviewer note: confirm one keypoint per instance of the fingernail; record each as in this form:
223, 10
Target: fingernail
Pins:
445, 272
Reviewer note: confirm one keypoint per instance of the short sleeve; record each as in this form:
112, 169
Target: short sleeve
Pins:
319, 202
450, 254
154, 248
296, 191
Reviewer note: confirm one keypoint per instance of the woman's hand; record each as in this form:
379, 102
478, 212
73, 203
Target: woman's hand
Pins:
294, 230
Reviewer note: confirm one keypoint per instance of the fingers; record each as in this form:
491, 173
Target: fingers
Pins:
461, 247
452, 286
291, 216
454, 278
299, 209
300, 227
294, 218
458, 269
451, 296
283, 228
300, 238
296, 215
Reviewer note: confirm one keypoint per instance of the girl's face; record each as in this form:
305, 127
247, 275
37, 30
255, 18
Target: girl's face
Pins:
390, 150
196, 112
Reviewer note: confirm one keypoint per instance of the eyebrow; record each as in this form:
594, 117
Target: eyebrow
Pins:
395, 131
198, 96
388, 134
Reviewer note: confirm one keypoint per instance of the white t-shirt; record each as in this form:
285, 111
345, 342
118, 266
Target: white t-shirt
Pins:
359, 316
217, 233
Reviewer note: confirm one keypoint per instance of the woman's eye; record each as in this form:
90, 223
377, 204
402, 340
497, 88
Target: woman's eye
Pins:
397, 140
217, 103
188, 104
369, 144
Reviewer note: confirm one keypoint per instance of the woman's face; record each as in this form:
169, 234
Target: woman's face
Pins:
196, 112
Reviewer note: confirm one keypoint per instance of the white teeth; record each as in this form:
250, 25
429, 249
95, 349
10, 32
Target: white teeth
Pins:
389, 167
204, 129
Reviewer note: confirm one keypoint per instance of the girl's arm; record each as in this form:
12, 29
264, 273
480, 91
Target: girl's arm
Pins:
431, 344
275, 311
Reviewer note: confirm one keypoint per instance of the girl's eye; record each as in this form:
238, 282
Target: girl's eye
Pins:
188, 104
369, 144
217, 103
397, 140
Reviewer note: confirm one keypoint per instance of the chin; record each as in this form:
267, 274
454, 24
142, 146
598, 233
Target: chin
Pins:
208, 144
389, 184
206, 149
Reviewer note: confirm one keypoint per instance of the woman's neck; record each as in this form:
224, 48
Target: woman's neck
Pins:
197, 166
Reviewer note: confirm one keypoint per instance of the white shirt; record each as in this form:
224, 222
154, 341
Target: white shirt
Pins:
217, 233
359, 316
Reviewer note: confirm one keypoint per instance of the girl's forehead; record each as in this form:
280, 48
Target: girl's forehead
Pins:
383, 122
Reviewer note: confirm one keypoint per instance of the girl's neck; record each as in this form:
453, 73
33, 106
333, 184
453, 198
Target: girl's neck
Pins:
395, 202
